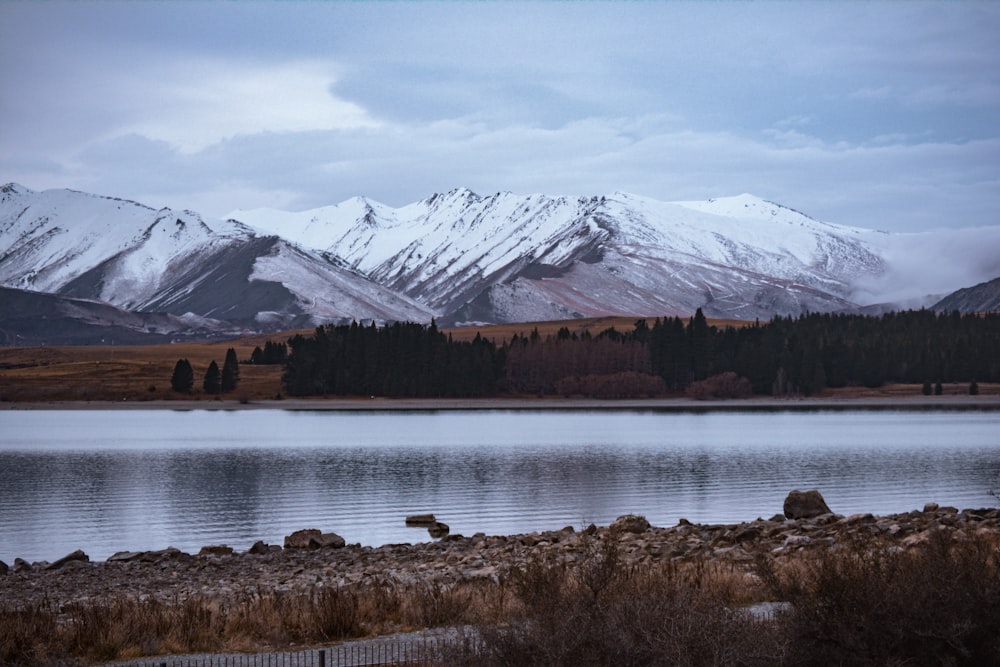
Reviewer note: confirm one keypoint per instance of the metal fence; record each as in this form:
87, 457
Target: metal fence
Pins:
416, 651
412, 652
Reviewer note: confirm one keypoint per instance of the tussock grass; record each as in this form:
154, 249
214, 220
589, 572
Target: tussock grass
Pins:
873, 604
865, 602
604, 612
120, 627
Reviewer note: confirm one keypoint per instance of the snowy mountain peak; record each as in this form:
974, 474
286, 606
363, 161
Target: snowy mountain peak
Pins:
463, 257
500, 257
745, 206
14, 189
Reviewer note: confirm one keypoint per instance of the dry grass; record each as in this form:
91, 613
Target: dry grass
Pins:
119, 627
901, 390
870, 603
499, 333
863, 603
123, 372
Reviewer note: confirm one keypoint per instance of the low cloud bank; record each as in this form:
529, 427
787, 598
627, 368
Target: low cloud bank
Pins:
922, 267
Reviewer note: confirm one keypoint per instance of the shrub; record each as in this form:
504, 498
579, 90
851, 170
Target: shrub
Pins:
871, 605
602, 612
724, 385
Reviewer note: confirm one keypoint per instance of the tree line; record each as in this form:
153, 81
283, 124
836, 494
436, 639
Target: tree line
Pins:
401, 359
788, 355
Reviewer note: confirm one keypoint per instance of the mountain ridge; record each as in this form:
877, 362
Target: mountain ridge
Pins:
464, 258
462, 253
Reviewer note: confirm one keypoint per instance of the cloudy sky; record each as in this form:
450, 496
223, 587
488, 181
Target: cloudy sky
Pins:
880, 115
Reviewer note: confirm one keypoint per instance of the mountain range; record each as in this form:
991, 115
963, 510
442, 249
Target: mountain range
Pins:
463, 258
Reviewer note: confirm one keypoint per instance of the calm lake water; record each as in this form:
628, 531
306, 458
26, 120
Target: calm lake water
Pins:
107, 481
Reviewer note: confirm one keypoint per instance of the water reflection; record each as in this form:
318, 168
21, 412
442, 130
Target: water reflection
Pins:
107, 481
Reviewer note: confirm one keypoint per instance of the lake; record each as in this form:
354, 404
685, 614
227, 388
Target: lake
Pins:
113, 480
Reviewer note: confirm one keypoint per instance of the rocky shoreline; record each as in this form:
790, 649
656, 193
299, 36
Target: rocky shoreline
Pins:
217, 572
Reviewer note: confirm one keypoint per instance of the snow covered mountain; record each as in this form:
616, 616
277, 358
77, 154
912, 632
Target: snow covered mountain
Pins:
133, 257
462, 258
510, 258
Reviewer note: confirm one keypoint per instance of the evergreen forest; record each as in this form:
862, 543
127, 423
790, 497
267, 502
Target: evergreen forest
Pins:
786, 356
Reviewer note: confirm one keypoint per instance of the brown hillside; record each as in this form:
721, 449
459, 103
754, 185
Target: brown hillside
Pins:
501, 332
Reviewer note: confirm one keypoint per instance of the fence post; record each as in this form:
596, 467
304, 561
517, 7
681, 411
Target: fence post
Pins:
322, 658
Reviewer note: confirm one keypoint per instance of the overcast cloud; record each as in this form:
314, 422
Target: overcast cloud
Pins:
879, 115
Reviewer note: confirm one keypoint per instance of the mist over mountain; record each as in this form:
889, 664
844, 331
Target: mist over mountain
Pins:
463, 258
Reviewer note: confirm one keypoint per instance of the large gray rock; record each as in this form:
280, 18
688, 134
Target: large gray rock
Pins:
312, 538
421, 520
631, 523
805, 505
161, 555
327, 541
77, 555
300, 539
125, 556
260, 548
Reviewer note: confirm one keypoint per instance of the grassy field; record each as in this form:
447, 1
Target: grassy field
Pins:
142, 372
132, 373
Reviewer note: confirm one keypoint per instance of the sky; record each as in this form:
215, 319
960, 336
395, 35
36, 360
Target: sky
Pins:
884, 115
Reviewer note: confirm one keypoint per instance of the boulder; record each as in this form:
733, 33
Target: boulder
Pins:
420, 520
125, 556
260, 548
4, 568
630, 523
438, 529
77, 555
162, 555
300, 539
805, 505
21, 565
327, 541
312, 538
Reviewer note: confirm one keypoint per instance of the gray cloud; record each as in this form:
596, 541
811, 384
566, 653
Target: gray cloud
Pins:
879, 114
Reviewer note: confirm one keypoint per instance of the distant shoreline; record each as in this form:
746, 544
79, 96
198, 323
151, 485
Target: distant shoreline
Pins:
764, 404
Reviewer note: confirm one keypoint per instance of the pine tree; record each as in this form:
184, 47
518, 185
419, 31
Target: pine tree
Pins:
230, 371
699, 335
183, 378
213, 379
